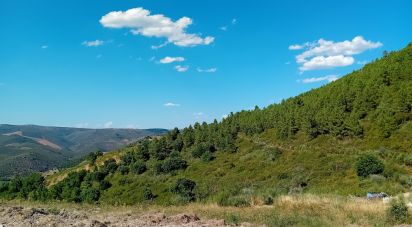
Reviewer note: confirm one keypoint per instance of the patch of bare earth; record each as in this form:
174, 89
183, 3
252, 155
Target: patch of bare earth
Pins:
21, 216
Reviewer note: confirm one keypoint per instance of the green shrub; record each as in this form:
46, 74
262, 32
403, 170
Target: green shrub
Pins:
147, 194
369, 164
184, 188
207, 156
397, 212
110, 166
268, 200
232, 219
408, 160
90, 195
170, 164
123, 170
138, 167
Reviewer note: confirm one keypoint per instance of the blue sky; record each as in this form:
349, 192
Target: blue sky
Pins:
93, 63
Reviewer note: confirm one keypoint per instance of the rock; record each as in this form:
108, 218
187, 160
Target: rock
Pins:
97, 224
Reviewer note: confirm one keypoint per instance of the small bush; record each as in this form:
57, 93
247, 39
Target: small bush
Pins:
138, 167
369, 164
184, 188
207, 156
147, 194
408, 160
268, 200
123, 170
397, 212
232, 219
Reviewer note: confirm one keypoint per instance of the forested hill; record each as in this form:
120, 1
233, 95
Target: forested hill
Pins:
26, 149
348, 137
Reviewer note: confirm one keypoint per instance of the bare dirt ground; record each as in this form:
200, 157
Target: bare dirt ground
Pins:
24, 216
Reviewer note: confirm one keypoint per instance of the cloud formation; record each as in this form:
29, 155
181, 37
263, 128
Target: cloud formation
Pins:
325, 54
329, 78
168, 60
181, 69
44, 47
141, 22
211, 70
171, 104
94, 43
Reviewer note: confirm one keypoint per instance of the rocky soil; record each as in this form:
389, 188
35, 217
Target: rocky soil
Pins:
22, 216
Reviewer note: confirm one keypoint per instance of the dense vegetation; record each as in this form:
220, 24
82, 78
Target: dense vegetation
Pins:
348, 137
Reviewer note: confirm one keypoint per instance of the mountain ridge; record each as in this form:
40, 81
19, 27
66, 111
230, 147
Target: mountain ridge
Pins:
29, 143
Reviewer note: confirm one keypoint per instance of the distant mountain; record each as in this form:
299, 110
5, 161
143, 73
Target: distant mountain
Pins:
29, 148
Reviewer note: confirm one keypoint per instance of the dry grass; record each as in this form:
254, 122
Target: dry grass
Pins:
300, 210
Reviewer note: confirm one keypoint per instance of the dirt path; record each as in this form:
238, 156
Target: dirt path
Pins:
20, 216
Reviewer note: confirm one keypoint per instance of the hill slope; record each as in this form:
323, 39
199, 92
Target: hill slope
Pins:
30, 148
348, 137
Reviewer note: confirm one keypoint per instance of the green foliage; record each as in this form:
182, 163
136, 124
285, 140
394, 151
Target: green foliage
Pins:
90, 195
184, 188
268, 200
397, 212
123, 170
92, 156
171, 164
147, 194
138, 167
408, 160
369, 164
110, 166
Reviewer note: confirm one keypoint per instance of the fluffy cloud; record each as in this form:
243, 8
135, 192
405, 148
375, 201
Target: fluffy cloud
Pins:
329, 78
168, 60
328, 54
181, 69
211, 70
322, 62
171, 104
44, 47
141, 22
296, 47
94, 43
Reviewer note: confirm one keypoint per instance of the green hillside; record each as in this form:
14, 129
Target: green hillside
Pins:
349, 137
26, 149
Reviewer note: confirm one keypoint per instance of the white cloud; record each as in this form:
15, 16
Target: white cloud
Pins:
181, 69
224, 116
154, 47
141, 22
168, 60
198, 115
108, 124
223, 28
296, 47
171, 104
329, 78
211, 70
234, 21
328, 54
94, 43
44, 47
322, 62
